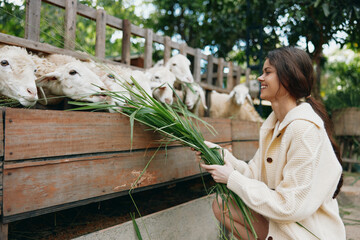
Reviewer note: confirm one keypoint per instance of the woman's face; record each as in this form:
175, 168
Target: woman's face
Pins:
271, 89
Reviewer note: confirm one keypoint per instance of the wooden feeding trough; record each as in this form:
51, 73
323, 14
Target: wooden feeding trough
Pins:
54, 160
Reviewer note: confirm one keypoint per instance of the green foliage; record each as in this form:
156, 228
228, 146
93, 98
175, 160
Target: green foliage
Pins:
343, 86
12, 19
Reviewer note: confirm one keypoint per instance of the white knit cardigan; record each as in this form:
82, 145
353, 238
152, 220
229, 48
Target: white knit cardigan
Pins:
292, 178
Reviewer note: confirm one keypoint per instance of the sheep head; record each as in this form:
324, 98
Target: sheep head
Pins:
162, 83
179, 65
75, 81
17, 75
193, 94
239, 94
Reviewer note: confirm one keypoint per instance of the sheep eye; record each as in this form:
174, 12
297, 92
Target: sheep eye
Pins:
35, 70
4, 63
156, 77
111, 76
73, 72
174, 64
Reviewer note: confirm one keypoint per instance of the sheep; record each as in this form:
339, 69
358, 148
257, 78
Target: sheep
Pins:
17, 75
195, 99
179, 65
162, 83
68, 77
237, 104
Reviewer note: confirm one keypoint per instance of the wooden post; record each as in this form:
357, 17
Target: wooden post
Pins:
100, 33
70, 24
125, 51
167, 50
148, 48
197, 67
230, 78
32, 20
247, 74
4, 229
210, 70
238, 75
183, 49
220, 73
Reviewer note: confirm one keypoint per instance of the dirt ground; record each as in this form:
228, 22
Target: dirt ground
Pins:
78, 221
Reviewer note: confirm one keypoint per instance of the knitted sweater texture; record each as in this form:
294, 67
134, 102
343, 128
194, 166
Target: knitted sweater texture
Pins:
292, 178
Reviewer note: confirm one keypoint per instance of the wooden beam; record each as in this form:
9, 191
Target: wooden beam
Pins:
32, 20
197, 67
4, 231
230, 77
167, 50
70, 24
125, 53
210, 70
183, 49
148, 48
100, 33
220, 73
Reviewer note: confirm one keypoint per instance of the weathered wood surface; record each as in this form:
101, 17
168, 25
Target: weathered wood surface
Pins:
245, 130
245, 150
30, 186
45, 133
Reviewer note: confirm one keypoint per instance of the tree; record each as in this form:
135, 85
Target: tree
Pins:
317, 23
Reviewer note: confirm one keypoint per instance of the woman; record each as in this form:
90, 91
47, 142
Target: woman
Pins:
294, 177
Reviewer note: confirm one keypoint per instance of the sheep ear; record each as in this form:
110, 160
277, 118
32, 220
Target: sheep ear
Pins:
202, 98
49, 77
249, 98
231, 94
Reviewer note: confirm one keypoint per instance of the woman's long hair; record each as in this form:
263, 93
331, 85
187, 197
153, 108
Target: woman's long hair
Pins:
295, 72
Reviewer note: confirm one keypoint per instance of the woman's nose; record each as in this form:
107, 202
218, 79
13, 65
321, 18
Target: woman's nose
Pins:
260, 78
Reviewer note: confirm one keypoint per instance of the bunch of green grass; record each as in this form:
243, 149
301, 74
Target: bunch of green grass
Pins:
176, 124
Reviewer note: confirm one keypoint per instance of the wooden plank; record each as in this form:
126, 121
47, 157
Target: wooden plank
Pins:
34, 133
46, 184
70, 24
245, 150
230, 79
220, 73
114, 22
32, 20
197, 67
167, 50
212, 87
125, 53
245, 130
4, 231
182, 49
148, 49
238, 75
100, 33
210, 70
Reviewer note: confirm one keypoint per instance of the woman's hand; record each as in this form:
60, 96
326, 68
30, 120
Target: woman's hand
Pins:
220, 173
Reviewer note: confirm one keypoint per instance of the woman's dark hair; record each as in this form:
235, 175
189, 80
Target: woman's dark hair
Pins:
295, 72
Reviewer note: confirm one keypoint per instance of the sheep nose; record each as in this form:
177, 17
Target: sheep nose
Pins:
32, 92
168, 100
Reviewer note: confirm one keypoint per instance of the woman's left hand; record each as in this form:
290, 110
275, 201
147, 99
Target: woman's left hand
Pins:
220, 173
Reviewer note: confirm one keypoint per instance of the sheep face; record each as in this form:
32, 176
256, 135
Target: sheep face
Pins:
162, 82
179, 65
17, 75
239, 94
193, 95
75, 81
143, 81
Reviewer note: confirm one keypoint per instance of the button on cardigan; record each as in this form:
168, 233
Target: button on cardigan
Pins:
298, 185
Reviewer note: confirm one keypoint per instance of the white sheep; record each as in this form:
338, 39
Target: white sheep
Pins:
17, 75
195, 99
68, 77
237, 104
179, 65
162, 83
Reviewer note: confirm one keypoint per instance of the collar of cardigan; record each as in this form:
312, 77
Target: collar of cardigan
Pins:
304, 111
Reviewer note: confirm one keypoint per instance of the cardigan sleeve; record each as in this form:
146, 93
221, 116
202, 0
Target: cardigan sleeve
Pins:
250, 169
310, 177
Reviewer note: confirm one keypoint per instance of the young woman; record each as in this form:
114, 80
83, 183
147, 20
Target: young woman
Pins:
294, 177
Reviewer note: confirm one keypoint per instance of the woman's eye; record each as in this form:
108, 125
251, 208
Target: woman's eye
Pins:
4, 63
73, 72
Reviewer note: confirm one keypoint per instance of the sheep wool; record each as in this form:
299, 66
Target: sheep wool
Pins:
292, 178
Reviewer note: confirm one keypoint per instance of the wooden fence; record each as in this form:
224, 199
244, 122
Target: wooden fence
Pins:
54, 160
